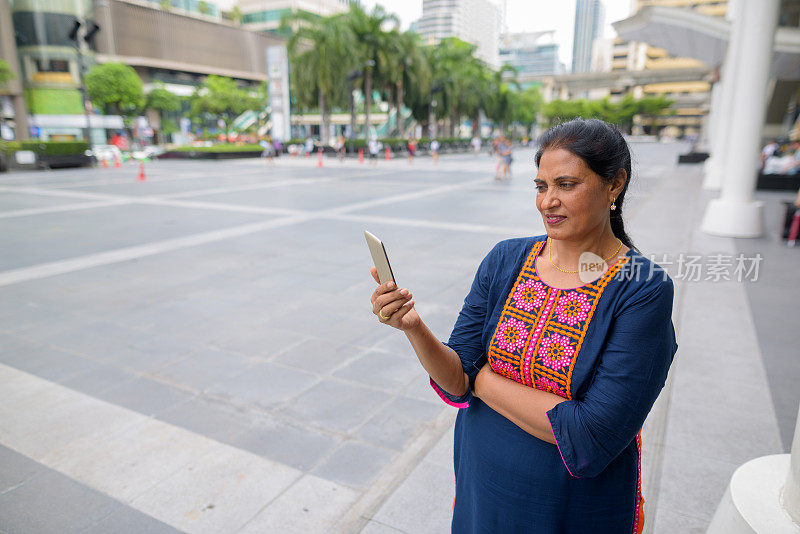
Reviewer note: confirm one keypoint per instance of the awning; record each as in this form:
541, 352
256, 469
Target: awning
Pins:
113, 122
687, 33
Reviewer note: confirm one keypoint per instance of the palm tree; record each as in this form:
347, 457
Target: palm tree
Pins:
320, 54
406, 66
371, 31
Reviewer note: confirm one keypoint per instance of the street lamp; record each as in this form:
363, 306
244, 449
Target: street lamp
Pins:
88, 35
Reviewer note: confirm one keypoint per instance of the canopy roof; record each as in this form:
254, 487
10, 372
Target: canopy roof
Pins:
687, 33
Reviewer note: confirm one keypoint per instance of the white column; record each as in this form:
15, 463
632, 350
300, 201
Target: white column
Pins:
715, 166
790, 497
761, 498
735, 214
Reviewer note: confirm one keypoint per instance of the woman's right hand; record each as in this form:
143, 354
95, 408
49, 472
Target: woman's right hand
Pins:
393, 306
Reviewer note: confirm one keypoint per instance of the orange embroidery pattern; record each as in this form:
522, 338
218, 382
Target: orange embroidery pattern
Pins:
541, 329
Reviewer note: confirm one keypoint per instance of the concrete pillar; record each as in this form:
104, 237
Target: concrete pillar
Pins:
8, 52
790, 497
735, 214
761, 497
715, 166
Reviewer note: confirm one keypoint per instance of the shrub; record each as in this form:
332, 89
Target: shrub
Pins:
47, 148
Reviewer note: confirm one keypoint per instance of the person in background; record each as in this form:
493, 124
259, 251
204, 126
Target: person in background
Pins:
768, 150
435, 151
412, 149
309, 145
340, 146
374, 146
476, 144
504, 152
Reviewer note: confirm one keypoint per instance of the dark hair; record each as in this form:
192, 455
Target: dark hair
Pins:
604, 150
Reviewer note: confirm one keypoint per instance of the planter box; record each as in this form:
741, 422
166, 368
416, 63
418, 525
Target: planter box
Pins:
778, 182
210, 155
693, 157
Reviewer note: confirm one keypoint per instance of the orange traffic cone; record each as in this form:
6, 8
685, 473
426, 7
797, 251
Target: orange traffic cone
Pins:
388, 154
141, 172
105, 163
319, 158
117, 163
361, 155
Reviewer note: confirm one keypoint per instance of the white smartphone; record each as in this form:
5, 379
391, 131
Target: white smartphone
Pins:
379, 258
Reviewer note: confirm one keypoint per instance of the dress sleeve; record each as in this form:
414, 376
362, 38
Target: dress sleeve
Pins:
592, 431
466, 338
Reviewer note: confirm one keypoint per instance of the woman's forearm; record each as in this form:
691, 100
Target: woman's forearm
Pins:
440, 361
524, 406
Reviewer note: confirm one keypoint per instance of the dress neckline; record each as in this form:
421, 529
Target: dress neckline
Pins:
538, 253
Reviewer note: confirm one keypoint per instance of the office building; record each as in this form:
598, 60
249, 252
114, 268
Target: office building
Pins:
531, 53
474, 21
589, 19
168, 45
266, 15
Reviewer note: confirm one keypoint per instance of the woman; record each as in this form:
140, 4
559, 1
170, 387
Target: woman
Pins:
554, 368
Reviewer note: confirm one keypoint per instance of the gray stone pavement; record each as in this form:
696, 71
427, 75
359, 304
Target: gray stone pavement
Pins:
196, 353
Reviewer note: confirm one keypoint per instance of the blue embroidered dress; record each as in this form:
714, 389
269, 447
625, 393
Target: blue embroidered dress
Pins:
606, 347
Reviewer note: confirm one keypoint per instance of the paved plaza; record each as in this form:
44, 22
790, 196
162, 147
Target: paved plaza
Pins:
196, 352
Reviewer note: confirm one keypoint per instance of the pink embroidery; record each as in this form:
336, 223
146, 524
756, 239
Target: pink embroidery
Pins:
526, 365
545, 384
506, 369
511, 335
529, 295
556, 351
572, 308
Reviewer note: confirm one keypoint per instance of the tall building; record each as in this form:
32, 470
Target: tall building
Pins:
266, 15
474, 21
173, 46
589, 17
691, 97
531, 53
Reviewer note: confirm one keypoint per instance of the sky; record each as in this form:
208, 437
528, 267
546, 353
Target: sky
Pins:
525, 16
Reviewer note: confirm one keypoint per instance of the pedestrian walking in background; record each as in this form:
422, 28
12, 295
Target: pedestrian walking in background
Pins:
476, 144
435, 151
553, 368
373, 147
411, 146
340, 147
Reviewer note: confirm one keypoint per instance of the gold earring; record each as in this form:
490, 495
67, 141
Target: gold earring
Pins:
613, 206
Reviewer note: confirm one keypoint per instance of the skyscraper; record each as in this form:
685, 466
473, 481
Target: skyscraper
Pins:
474, 21
589, 15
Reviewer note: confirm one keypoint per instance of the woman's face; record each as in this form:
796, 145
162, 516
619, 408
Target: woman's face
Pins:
573, 200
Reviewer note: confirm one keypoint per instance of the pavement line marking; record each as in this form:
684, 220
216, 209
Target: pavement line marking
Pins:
61, 193
247, 187
401, 198
164, 471
44, 270
64, 207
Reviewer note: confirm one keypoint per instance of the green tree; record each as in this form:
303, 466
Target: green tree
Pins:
373, 46
655, 107
320, 53
529, 106
6, 74
405, 65
160, 101
116, 88
220, 98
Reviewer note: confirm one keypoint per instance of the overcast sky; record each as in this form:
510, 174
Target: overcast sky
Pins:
526, 15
